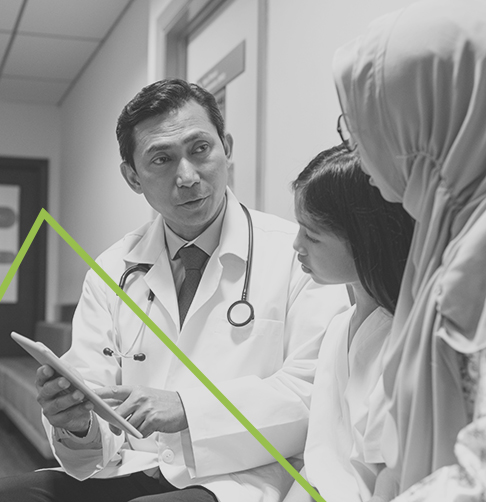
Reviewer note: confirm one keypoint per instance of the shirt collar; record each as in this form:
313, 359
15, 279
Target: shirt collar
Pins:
151, 244
208, 241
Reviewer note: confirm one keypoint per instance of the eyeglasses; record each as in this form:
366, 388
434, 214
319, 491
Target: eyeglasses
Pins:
345, 135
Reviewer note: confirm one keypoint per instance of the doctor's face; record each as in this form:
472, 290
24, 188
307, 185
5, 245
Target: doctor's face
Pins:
323, 254
181, 167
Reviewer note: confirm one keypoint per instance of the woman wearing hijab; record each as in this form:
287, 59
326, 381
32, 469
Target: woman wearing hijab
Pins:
413, 95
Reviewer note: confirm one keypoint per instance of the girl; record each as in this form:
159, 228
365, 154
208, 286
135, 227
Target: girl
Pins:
348, 234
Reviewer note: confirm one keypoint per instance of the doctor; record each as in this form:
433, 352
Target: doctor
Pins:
176, 153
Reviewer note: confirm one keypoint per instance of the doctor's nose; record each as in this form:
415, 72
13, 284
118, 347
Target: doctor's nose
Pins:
187, 174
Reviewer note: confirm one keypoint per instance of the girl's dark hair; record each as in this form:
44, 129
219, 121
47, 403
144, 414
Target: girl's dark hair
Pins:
335, 194
160, 98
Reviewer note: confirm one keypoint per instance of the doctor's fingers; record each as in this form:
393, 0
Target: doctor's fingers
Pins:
116, 392
58, 395
158, 413
142, 411
75, 418
49, 387
147, 421
43, 375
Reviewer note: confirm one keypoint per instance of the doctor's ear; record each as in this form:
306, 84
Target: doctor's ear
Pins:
228, 145
131, 177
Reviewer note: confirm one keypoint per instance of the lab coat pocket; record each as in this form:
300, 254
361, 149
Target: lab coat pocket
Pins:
234, 352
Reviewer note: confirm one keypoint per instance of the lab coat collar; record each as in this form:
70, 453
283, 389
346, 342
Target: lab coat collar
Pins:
208, 240
151, 249
234, 236
152, 244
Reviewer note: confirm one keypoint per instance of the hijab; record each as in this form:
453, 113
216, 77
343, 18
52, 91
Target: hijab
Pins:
413, 93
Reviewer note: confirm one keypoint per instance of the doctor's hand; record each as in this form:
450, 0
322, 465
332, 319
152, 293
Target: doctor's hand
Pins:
148, 410
63, 405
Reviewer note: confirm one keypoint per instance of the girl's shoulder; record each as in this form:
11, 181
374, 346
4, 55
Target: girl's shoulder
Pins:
337, 330
342, 318
371, 336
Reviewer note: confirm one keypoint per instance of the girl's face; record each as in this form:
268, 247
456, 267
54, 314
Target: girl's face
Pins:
323, 255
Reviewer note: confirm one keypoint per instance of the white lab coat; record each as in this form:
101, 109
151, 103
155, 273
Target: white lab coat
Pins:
348, 409
265, 369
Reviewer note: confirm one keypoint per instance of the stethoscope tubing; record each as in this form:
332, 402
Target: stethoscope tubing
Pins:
244, 293
145, 268
249, 259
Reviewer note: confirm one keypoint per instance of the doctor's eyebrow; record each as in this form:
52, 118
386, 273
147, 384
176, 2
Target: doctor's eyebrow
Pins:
162, 146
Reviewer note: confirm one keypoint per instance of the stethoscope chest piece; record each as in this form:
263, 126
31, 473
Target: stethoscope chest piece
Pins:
240, 313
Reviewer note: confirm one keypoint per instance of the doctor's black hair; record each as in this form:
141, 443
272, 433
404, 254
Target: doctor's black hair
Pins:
334, 194
160, 98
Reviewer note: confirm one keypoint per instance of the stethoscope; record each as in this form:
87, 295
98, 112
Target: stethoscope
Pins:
240, 313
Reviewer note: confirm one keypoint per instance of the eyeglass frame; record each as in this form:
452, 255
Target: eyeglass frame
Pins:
342, 130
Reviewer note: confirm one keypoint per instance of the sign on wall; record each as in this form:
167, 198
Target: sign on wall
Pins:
215, 81
226, 70
9, 236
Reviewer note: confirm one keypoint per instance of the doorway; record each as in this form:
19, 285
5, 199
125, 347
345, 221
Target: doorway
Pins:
23, 193
222, 46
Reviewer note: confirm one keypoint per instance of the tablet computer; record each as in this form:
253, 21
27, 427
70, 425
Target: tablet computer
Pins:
44, 355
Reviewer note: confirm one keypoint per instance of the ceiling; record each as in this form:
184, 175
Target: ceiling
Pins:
45, 45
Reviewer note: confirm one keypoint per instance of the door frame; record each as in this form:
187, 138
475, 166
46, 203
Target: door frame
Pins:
183, 19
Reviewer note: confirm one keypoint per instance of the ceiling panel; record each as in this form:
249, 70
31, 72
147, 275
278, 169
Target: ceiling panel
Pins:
45, 57
9, 10
73, 18
49, 43
32, 91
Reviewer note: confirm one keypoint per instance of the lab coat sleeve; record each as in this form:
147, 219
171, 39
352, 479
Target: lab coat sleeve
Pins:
277, 406
91, 331
86, 462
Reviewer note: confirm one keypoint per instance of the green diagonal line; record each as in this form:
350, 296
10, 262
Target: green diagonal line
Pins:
44, 215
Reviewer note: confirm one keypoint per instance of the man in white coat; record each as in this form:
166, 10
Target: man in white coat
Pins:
176, 153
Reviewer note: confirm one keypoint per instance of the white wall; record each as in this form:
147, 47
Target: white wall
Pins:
302, 104
34, 131
98, 207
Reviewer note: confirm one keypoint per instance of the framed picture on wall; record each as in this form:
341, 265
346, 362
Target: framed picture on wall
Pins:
9, 236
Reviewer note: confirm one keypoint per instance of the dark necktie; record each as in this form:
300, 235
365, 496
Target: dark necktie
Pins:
193, 259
